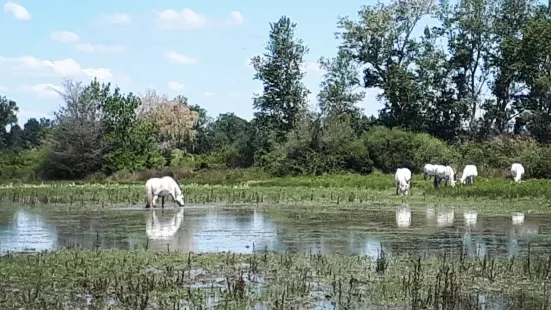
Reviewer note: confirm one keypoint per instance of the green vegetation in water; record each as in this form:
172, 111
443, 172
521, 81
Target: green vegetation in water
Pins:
71, 278
312, 194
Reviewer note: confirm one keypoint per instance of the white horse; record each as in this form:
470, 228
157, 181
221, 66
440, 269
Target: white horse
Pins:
403, 181
444, 173
517, 171
429, 171
469, 174
156, 229
162, 187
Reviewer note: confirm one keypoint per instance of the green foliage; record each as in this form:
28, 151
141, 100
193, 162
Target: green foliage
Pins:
281, 105
391, 149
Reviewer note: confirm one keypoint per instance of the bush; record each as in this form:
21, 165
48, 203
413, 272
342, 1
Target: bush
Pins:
390, 149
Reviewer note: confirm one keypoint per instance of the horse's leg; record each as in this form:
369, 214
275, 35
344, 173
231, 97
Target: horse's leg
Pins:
397, 189
163, 202
425, 176
154, 200
435, 182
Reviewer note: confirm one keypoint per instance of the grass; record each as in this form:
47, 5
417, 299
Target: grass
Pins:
323, 194
71, 278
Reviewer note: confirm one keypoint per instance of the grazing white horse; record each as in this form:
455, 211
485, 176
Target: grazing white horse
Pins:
517, 171
402, 179
469, 174
162, 187
156, 229
446, 173
428, 171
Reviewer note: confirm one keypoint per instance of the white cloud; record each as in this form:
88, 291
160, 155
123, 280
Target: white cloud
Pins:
118, 19
3, 88
236, 19
208, 94
66, 68
312, 67
64, 37
45, 90
186, 19
100, 48
18, 11
179, 58
175, 86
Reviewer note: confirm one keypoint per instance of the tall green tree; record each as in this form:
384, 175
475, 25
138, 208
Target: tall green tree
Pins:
382, 41
510, 18
466, 26
338, 95
280, 70
129, 140
76, 147
8, 117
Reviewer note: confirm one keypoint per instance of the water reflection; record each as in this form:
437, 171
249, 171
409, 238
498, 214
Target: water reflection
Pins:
27, 232
156, 229
251, 231
403, 217
470, 217
445, 218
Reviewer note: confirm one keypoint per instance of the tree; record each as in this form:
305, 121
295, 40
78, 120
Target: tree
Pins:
381, 40
510, 17
280, 69
337, 96
15, 137
8, 117
174, 119
76, 148
535, 74
129, 140
34, 131
467, 27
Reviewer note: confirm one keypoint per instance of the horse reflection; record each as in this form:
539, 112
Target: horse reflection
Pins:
470, 218
156, 229
403, 217
445, 218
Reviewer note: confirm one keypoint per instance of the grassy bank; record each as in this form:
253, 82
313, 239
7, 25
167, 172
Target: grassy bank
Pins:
143, 280
299, 194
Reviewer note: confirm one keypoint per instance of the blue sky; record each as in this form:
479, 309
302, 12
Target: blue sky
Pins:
194, 49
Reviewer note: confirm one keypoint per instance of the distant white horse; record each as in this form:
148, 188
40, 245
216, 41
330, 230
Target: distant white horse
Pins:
446, 173
517, 171
469, 174
162, 187
403, 181
156, 229
428, 171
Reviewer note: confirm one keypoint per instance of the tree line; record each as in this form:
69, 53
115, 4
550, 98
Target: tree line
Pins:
473, 88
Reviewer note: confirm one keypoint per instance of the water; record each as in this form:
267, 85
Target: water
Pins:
212, 229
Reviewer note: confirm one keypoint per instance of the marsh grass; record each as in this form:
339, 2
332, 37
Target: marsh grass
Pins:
323, 195
74, 278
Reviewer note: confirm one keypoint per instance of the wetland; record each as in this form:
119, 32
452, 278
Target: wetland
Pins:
265, 247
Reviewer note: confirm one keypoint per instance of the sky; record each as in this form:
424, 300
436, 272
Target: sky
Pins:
188, 48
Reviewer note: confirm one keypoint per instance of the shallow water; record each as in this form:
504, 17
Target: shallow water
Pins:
213, 229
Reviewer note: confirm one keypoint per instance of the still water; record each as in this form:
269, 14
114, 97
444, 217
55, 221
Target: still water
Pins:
213, 229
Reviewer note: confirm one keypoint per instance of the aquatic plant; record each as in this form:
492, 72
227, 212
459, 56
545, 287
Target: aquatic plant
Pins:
74, 278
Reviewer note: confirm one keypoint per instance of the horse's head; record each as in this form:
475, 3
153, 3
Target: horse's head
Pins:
180, 199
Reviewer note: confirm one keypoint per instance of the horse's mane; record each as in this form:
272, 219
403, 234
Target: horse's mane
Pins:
171, 174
